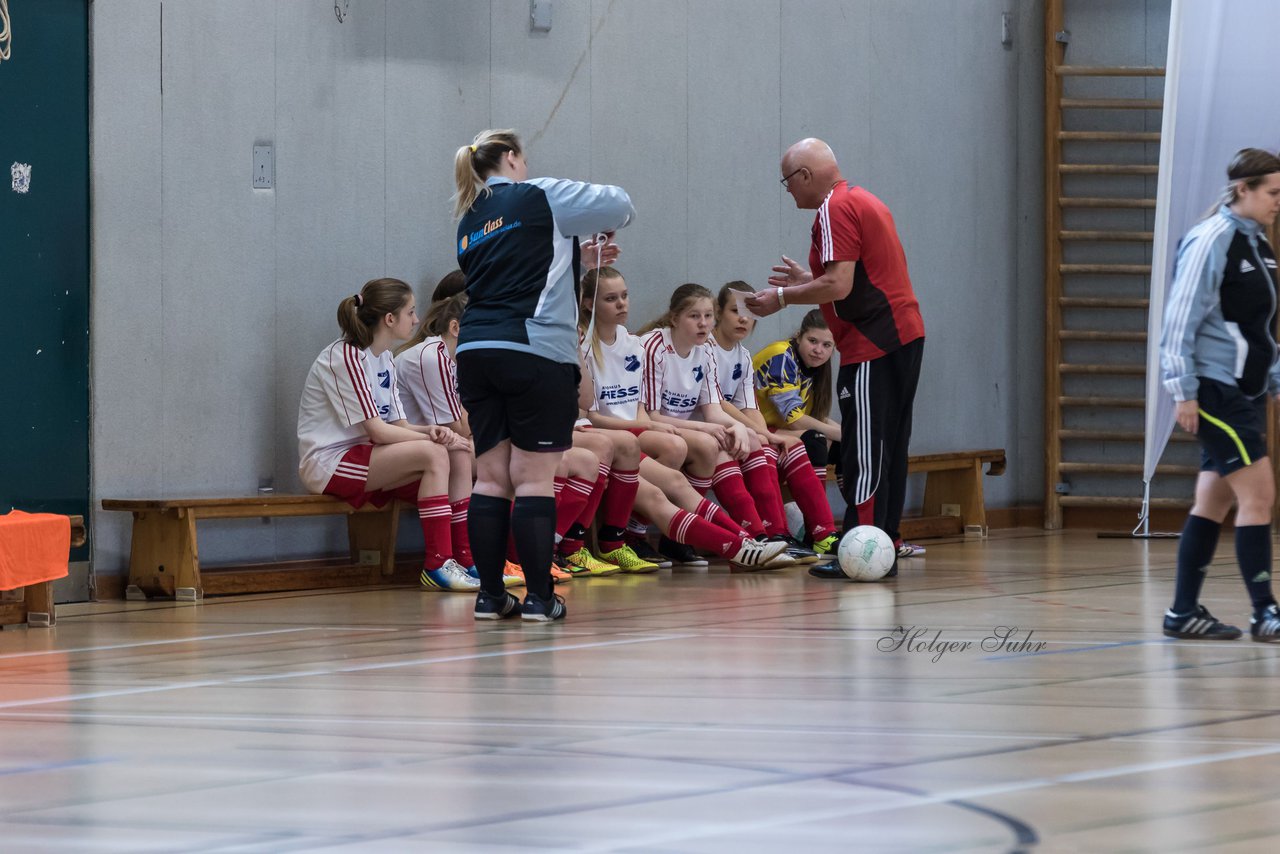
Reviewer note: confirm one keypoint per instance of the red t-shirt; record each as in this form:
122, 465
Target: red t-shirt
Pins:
881, 313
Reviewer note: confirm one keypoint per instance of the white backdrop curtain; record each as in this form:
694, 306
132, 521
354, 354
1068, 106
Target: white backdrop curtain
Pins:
1221, 94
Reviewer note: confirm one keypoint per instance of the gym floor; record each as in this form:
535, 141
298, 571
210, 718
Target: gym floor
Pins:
688, 711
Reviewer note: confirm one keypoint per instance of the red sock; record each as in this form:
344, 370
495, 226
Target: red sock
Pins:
760, 472
702, 535
458, 531
700, 484
808, 491
714, 514
620, 497
597, 494
570, 500
734, 497
433, 515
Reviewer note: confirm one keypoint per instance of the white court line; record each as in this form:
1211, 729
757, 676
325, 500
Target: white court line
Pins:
898, 802
109, 647
300, 674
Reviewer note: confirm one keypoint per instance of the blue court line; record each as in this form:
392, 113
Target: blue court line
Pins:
1072, 649
53, 766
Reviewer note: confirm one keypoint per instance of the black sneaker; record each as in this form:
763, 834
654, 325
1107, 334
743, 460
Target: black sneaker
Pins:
830, 570
539, 610
496, 607
680, 553
640, 545
1264, 625
796, 550
1198, 625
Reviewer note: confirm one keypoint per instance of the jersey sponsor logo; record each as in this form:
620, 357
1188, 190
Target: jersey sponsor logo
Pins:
697, 372
1245, 266
737, 370
632, 362
678, 402
844, 394
491, 229
384, 379
615, 393
384, 409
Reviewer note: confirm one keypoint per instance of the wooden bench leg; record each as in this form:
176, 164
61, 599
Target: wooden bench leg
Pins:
163, 560
962, 487
39, 604
373, 539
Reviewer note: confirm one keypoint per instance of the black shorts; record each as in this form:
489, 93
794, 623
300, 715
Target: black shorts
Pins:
1233, 428
512, 395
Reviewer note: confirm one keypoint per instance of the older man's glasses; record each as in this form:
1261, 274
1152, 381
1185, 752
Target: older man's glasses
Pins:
784, 181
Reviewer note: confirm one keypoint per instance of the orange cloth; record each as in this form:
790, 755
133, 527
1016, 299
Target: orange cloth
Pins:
34, 547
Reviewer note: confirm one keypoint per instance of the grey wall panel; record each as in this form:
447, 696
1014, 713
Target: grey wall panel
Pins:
219, 256
639, 140
542, 83
733, 141
437, 97
126, 315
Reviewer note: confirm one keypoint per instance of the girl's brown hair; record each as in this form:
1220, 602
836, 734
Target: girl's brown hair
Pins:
820, 394
437, 320
358, 315
722, 298
453, 283
682, 298
590, 280
473, 163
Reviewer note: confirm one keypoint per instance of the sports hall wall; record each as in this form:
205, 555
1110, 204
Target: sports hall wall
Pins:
211, 298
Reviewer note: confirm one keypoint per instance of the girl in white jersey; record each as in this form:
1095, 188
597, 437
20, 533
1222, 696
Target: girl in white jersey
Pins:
737, 388
682, 389
354, 440
613, 371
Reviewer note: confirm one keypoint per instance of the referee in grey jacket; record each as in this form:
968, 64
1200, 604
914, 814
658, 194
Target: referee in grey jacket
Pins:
1218, 360
517, 353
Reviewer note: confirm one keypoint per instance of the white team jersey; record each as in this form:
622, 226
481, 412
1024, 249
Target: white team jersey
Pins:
428, 380
345, 386
618, 377
733, 369
676, 386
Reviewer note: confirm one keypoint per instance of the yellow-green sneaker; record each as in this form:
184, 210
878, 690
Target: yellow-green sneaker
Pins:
583, 562
628, 561
827, 545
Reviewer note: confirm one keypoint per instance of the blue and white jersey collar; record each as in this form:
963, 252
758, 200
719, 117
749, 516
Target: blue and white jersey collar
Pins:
1250, 227
494, 180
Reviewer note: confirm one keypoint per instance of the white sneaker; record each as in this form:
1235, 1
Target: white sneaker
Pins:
754, 555
450, 576
910, 550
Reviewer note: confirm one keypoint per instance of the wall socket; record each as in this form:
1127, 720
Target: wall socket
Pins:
370, 557
950, 509
264, 167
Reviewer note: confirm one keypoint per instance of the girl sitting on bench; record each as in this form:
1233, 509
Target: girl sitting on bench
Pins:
354, 440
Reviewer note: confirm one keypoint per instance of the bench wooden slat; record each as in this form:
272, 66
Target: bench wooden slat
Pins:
335, 505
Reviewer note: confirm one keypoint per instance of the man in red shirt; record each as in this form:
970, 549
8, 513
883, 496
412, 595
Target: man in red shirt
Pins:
858, 275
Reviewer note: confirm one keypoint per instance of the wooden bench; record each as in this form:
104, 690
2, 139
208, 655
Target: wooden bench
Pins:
953, 497
35, 607
164, 559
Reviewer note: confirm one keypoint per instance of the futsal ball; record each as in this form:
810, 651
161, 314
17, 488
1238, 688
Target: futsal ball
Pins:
866, 553
795, 519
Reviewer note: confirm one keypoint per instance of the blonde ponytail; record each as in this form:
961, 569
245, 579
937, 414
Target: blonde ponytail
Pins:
473, 163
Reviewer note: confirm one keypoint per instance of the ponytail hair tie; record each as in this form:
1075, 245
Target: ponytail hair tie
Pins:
473, 149
359, 300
